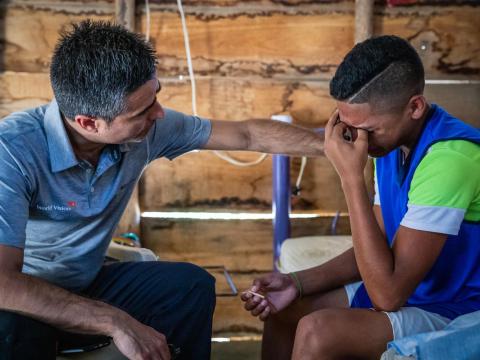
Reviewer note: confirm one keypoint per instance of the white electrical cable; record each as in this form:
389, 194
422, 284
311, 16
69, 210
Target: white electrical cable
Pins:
300, 173
189, 57
220, 154
233, 161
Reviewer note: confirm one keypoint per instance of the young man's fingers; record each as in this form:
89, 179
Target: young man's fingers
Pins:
362, 135
252, 303
264, 315
259, 283
334, 119
245, 296
259, 309
339, 130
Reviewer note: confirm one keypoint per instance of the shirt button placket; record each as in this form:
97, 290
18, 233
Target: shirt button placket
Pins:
90, 187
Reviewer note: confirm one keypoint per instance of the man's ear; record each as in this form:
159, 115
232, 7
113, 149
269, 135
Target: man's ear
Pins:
87, 123
418, 106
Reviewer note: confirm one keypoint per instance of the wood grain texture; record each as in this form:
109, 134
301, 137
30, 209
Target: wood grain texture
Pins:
261, 40
240, 245
205, 181
448, 42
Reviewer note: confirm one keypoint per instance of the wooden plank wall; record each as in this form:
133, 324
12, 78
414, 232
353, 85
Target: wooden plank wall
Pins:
252, 59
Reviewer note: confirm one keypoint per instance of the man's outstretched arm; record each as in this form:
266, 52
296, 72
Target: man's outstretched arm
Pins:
40, 300
268, 136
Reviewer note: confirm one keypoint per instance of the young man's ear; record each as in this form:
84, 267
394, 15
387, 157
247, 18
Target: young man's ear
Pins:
418, 106
87, 123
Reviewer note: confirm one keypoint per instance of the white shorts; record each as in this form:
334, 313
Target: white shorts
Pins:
408, 320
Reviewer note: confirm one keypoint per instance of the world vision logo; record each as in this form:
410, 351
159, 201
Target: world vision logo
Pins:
53, 207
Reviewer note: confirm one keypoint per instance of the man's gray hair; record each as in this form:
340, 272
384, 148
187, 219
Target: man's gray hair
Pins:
96, 65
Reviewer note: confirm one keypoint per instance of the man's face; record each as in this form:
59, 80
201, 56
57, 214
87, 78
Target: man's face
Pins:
134, 123
384, 130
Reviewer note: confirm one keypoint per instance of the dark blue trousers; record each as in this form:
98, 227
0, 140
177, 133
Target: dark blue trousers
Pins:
177, 299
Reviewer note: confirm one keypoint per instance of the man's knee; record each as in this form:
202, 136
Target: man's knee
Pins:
187, 278
203, 283
196, 277
22, 337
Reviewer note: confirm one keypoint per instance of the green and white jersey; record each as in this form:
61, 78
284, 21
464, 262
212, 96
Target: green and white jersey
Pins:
445, 188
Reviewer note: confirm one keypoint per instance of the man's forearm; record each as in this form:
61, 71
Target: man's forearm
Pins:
335, 273
374, 256
38, 299
277, 137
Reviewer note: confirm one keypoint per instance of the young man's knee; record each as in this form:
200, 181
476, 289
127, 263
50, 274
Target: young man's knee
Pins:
317, 333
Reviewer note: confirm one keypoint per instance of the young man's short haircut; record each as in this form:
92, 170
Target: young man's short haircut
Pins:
385, 72
96, 65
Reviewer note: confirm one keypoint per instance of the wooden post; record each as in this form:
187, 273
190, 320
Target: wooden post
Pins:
363, 20
130, 221
363, 31
125, 13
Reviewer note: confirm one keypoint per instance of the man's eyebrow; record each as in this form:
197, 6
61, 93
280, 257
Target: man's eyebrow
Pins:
159, 87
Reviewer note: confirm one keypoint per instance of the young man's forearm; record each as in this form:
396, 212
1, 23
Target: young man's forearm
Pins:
38, 299
339, 271
277, 137
374, 256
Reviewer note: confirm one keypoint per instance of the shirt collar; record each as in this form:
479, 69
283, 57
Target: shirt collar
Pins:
60, 149
124, 147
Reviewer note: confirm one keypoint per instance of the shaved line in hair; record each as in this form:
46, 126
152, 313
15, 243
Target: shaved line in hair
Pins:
373, 81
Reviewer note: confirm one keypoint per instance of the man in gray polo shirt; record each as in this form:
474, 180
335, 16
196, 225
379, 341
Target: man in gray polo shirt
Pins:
67, 170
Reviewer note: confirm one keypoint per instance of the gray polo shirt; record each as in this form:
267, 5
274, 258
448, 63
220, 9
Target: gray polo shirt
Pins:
61, 210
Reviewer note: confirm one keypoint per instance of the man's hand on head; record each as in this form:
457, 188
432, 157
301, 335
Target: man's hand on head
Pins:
346, 148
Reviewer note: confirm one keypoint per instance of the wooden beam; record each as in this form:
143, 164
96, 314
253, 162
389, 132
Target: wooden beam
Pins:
363, 20
246, 46
125, 13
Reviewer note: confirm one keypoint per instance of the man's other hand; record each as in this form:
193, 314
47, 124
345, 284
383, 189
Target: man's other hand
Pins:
140, 342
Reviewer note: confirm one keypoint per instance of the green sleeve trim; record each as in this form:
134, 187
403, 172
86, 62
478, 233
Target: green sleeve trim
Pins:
449, 176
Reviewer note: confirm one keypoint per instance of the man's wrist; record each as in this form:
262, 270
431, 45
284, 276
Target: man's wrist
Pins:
298, 285
114, 319
352, 180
